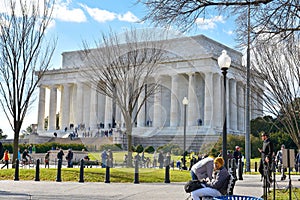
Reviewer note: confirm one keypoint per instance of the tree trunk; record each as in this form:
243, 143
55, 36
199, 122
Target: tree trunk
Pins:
129, 144
16, 144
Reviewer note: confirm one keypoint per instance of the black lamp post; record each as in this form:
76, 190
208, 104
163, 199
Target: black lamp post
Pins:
185, 102
224, 62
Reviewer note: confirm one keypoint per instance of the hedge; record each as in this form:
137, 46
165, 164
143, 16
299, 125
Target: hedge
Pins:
43, 148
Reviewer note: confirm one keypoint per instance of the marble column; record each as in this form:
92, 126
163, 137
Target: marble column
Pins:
65, 106
228, 102
52, 108
233, 106
108, 112
79, 107
101, 107
254, 103
157, 108
174, 101
192, 107
141, 115
41, 108
86, 105
217, 101
241, 107
93, 109
208, 101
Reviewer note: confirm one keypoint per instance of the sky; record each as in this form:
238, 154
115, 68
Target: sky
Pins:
75, 21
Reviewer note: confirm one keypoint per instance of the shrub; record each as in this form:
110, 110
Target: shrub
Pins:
149, 149
43, 148
172, 148
113, 147
139, 148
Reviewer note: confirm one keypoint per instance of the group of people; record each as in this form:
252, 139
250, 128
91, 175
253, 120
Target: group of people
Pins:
215, 176
107, 158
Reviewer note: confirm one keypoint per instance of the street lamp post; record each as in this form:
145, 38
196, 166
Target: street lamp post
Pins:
224, 62
185, 102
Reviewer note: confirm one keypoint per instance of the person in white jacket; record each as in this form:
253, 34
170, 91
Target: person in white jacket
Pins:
203, 169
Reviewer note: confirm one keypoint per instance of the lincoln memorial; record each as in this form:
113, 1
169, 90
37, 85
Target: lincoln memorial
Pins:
191, 71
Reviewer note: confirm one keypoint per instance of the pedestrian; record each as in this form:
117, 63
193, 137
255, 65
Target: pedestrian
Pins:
203, 169
237, 155
30, 149
110, 158
47, 159
279, 163
60, 154
160, 160
154, 159
19, 154
218, 185
6, 159
33, 149
69, 158
25, 157
103, 158
266, 157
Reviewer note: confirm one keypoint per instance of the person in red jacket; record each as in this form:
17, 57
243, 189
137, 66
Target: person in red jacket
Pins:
6, 159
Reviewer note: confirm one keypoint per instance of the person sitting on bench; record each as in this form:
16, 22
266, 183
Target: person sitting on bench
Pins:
218, 186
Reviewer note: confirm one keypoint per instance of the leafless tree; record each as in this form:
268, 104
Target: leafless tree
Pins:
277, 64
267, 17
121, 67
23, 51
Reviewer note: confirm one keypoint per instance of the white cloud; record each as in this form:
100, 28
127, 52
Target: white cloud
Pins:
100, 15
206, 24
128, 17
230, 32
63, 13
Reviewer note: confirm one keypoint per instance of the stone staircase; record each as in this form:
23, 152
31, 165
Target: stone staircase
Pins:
197, 137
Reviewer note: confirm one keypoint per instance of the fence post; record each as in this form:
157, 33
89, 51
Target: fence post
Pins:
255, 166
167, 174
37, 170
136, 171
58, 177
17, 170
81, 180
107, 175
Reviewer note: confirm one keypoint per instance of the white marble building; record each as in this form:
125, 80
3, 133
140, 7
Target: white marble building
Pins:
191, 71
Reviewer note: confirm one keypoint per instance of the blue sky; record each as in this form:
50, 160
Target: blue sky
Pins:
78, 20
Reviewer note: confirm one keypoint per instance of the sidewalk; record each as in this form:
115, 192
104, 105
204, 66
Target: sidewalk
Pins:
9, 189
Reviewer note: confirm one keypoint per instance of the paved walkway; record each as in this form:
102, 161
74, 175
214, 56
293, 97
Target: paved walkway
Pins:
250, 186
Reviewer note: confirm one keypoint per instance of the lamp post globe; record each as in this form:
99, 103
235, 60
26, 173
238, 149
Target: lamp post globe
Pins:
224, 62
185, 102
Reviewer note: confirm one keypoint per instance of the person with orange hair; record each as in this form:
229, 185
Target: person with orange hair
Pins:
218, 186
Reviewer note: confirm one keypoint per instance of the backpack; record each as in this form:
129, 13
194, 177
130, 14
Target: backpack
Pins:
193, 185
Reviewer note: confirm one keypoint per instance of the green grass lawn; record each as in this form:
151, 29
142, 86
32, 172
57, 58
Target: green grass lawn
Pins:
284, 194
118, 175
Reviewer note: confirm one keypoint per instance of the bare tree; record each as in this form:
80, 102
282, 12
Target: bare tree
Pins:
268, 16
23, 51
277, 64
121, 67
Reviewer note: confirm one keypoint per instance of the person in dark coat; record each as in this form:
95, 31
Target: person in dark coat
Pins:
267, 155
69, 158
160, 160
60, 154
